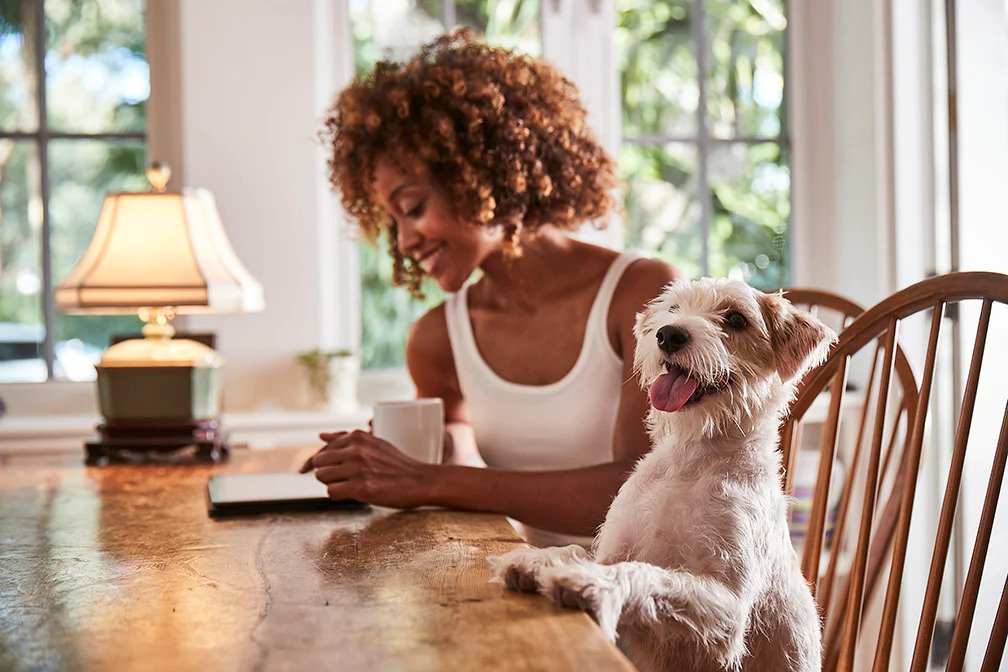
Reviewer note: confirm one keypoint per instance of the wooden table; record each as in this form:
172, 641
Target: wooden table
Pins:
119, 568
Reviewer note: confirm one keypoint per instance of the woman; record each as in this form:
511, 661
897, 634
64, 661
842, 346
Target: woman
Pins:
473, 157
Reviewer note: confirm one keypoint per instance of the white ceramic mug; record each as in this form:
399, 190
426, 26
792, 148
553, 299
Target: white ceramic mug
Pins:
415, 427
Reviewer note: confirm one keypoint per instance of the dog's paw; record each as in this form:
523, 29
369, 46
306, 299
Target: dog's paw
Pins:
590, 587
519, 569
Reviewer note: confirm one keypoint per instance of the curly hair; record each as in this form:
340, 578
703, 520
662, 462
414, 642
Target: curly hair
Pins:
504, 134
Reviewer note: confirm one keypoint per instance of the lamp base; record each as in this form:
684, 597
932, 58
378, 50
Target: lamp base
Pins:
157, 442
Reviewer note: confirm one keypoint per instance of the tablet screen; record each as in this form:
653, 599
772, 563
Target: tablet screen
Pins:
265, 492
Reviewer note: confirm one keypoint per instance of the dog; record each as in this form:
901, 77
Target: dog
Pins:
693, 567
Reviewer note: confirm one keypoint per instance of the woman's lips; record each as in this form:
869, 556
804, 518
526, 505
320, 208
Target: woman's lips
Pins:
429, 261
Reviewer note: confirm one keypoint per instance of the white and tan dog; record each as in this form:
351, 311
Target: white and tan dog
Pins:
694, 566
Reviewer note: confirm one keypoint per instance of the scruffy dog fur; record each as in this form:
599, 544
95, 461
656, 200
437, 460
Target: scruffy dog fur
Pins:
693, 567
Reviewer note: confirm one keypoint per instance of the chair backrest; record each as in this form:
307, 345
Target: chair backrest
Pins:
839, 312
823, 304
886, 497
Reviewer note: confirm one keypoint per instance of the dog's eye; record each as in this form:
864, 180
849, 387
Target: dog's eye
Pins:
673, 308
736, 320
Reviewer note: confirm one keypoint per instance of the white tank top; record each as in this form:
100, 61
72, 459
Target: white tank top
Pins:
563, 425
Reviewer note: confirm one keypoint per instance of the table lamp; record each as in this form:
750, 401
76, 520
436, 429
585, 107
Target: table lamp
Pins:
159, 254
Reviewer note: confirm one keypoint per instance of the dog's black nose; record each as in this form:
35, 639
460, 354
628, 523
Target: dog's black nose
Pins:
672, 338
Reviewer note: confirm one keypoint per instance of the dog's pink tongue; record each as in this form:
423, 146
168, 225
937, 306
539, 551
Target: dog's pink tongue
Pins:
670, 391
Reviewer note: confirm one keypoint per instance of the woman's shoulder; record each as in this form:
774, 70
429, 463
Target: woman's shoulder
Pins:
429, 355
642, 280
642, 277
646, 271
428, 336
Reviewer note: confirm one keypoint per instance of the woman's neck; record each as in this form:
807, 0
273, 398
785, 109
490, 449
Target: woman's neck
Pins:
534, 274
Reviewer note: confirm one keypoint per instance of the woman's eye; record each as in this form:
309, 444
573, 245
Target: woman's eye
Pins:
736, 320
416, 210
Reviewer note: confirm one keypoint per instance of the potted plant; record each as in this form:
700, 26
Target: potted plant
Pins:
332, 378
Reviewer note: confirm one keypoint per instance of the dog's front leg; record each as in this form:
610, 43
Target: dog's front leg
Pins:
673, 604
519, 569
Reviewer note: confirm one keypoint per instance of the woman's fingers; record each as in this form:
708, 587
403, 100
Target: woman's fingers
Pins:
357, 465
341, 490
327, 437
334, 441
334, 456
337, 472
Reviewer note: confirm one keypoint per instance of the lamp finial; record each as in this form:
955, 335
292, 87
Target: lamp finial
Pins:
158, 174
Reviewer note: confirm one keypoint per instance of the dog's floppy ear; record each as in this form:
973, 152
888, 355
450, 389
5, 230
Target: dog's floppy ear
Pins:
800, 341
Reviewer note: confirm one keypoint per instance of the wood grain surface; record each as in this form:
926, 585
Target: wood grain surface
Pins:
120, 568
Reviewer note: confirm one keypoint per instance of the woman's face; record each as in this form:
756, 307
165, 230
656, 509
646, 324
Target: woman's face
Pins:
446, 248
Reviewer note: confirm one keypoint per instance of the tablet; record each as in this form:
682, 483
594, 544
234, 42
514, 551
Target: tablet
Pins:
236, 494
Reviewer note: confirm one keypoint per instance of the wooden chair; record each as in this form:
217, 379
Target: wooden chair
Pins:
894, 493
839, 312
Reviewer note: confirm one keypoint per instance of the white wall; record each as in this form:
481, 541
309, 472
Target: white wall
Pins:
252, 79
858, 234
838, 239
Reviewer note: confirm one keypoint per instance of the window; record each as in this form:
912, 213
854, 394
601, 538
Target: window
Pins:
705, 146
73, 87
704, 158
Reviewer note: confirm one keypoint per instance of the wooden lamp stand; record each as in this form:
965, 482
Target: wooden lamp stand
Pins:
158, 441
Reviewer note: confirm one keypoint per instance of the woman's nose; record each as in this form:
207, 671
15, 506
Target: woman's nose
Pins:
407, 237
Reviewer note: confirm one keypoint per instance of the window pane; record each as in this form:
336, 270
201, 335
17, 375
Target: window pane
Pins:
658, 69
662, 210
18, 111
391, 30
386, 311
22, 325
751, 190
395, 30
81, 172
513, 24
97, 79
745, 80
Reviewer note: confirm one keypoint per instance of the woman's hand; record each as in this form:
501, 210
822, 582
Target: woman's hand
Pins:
357, 465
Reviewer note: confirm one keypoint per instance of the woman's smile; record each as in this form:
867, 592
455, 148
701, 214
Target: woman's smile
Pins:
428, 259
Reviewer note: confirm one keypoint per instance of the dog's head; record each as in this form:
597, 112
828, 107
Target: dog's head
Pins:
720, 351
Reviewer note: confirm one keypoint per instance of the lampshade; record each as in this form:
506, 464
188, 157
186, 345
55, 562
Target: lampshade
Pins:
159, 249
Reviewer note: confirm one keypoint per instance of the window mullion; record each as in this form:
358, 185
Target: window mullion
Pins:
64, 135
785, 143
698, 27
48, 305
564, 27
449, 16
